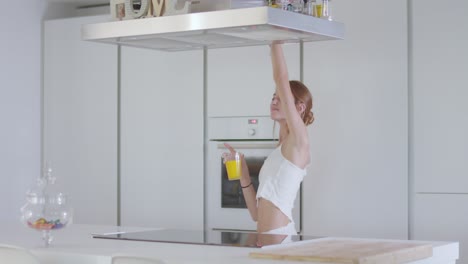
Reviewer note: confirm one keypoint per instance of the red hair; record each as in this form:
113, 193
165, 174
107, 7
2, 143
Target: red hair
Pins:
302, 95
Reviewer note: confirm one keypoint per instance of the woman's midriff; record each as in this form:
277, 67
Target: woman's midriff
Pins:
269, 216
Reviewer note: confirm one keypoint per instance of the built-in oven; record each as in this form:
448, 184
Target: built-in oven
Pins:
224, 201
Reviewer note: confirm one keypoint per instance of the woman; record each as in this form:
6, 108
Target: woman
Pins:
283, 170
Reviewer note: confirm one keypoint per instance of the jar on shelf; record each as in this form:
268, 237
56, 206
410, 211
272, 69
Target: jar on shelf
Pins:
317, 9
326, 10
271, 3
297, 6
309, 6
285, 4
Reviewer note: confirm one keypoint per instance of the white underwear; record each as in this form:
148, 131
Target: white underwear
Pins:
289, 229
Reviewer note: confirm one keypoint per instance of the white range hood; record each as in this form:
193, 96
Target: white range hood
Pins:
215, 29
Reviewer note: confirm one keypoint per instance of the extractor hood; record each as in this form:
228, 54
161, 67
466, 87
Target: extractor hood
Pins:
215, 29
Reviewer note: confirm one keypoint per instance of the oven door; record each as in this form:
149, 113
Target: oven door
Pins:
225, 205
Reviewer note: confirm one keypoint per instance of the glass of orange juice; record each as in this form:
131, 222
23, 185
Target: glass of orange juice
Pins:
233, 166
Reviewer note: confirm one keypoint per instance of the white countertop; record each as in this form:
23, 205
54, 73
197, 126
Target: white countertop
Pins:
75, 244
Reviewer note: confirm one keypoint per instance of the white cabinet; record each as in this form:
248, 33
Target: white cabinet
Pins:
240, 80
80, 118
357, 183
440, 109
440, 122
442, 217
160, 118
162, 138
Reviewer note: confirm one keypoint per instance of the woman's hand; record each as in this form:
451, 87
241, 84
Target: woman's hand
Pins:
276, 42
232, 152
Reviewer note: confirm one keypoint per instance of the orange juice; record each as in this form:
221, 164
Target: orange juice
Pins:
234, 169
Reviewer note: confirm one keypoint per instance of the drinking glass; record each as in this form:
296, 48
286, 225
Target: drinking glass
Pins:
233, 166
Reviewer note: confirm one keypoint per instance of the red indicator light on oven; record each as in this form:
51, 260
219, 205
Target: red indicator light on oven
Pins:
253, 121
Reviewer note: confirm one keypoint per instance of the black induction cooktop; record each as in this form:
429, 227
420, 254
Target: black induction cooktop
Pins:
211, 237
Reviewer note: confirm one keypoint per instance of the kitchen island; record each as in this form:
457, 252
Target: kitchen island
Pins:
75, 245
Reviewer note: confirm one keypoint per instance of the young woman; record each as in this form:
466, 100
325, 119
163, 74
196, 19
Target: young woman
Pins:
282, 173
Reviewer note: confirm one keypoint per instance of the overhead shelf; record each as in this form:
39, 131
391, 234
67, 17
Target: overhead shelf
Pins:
215, 29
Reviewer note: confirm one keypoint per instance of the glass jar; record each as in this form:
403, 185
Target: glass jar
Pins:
326, 10
298, 6
317, 9
309, 7
271, 3
285, 4
46, 209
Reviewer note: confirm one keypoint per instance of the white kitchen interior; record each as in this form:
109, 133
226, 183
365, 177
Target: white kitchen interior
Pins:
125, 128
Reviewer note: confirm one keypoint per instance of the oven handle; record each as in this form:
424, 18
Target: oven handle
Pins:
250, 145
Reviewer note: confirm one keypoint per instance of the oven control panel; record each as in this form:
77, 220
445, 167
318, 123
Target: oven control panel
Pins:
260, 127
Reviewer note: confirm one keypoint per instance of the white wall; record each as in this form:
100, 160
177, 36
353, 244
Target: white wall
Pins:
161, 164
80, 118
20, 97
440, 94
439, 122
358, 182
20, 100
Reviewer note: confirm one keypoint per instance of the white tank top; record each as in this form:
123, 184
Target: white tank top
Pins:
280, 180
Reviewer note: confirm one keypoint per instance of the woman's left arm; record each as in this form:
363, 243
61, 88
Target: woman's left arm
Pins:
296, 125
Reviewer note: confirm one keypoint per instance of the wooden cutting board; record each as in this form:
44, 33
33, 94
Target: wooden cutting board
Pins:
343, 250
